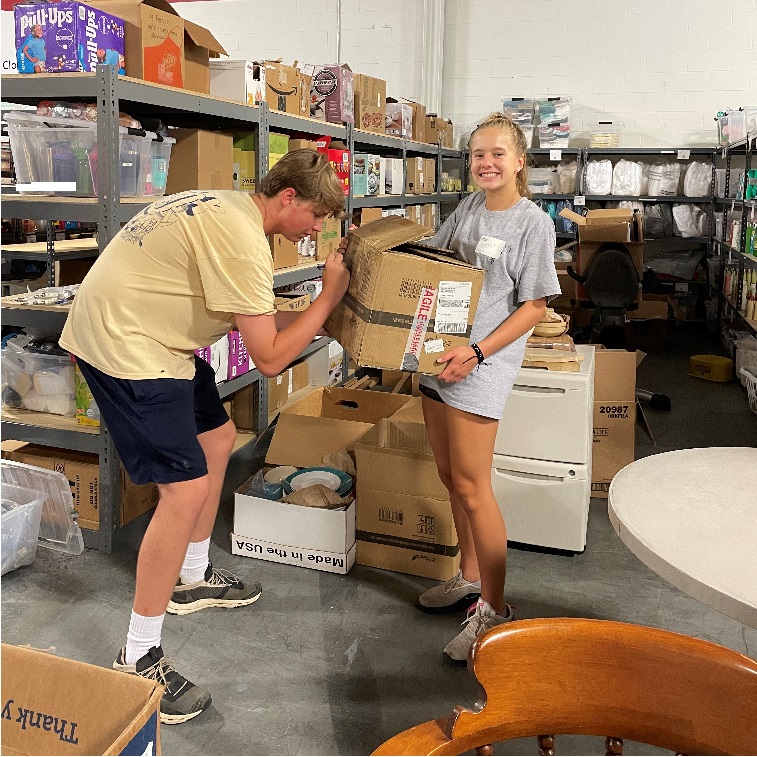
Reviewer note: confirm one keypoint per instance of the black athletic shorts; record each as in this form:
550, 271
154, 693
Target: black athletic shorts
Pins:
432, 394
155, 422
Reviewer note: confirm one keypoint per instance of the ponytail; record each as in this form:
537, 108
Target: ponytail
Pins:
518, 141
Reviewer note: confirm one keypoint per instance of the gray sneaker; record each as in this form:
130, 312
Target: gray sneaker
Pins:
480, 619
182, 700
455, 594
219, 588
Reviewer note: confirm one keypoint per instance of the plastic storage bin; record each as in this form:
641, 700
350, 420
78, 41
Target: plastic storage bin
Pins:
54, 155
58, 529
554, 135
37, 381
520, 110
157, 173
19, 525
605, 133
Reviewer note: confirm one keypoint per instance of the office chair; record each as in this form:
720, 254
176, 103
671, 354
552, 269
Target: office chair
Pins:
612, 285
595, 677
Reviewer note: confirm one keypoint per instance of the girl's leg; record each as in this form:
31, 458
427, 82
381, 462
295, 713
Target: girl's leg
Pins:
435, 416
471, 452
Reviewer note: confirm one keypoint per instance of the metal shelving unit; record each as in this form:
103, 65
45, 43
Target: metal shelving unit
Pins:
747, 148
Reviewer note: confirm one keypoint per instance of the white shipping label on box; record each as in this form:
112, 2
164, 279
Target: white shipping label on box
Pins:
453, 306
491, 247
434, 345
331, 562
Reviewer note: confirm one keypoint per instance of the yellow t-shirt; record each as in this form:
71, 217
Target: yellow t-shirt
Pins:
172, 281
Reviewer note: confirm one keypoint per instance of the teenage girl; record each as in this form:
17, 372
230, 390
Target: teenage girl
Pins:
503, 232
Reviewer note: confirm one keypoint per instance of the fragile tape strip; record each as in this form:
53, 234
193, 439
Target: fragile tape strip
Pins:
418, 329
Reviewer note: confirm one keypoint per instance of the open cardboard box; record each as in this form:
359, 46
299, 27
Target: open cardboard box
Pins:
56, 706
406, 304
327, 420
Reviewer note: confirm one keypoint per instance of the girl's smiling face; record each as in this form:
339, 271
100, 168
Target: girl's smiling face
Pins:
495, 163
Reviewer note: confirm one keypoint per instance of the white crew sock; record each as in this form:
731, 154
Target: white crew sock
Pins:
195, 562
144, 634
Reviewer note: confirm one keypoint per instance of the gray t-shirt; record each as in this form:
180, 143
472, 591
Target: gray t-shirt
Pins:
520, 243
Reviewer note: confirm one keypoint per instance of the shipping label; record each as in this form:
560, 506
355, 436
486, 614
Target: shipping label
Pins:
453, 306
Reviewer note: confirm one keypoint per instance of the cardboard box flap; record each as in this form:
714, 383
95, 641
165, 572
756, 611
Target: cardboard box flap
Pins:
303, 441
398, 435
385, 233
202, 37
438, 254
128, 10
602, 217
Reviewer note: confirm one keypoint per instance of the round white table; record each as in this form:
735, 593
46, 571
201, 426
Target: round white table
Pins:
691, 516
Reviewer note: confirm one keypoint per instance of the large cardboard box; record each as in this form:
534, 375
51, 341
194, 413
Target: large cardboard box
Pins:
614, 416
404, 517
83, 473
370, 103
235, 80
200, 160
415, 181
331, 93
280, 84
406, 304
161, 46
50, 707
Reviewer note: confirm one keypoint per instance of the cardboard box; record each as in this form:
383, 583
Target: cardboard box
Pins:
239, 361
49, 707
419, 122
83, 473
199, 46
405, 304
306, 85
72, 37
331, 93
429, 216
339, 157
235, 80
647, 328
366, 174
280, 84
301, 144
327, 240
370, 103
284, 252
449, 135
330, 562
415, 179
289, 302
394, 175
404, 518
614, 416
370, 214
200, 160
429, 175
399, 119
436, 130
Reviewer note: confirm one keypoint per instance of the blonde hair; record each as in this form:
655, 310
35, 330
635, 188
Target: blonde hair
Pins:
517, 140
311, 176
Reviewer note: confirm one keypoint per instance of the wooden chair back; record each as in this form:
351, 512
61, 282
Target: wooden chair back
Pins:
593, 677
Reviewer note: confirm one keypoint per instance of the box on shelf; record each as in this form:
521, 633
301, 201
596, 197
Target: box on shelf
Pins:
284, 252
200, 160
415, 179
614, 416
83, 472
429, 216
394, 175
339, 157
328, 238
290, 302
216, 356
301, 144
419, 122
331, 92
239, 359
399, 119
370, 103
429, 175
235, 80
370, 214
66, 36
281, 86
404, 518
366, 174
437, 131
35, 683
406, 304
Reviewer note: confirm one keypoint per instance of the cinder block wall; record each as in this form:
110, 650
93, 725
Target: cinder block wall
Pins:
663, 67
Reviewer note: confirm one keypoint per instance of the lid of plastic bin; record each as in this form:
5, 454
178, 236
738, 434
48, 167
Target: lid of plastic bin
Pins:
58, 528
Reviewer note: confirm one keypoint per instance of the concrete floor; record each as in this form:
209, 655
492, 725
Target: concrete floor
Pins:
327, 664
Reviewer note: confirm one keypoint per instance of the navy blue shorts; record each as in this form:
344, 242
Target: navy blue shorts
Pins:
155, 422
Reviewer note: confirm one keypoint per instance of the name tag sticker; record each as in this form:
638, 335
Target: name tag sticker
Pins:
433, 345
490, 246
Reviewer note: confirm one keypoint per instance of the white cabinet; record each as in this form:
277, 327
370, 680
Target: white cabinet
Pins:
542, 463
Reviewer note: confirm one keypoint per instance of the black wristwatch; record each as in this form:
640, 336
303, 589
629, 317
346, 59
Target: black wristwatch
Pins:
479, 354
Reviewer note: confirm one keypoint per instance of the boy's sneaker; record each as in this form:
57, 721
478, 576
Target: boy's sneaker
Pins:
182, 700
219, 588
455, 594
481, 618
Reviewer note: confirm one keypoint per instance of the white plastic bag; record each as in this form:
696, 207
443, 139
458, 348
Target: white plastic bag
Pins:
698, 180
565, 181
626, 178
664, 179
599, 177
690, 221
